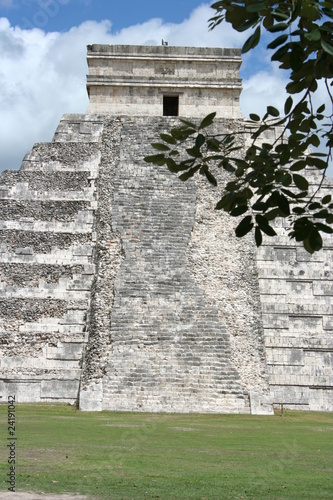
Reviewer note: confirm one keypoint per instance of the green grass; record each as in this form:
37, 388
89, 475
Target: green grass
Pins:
170, 456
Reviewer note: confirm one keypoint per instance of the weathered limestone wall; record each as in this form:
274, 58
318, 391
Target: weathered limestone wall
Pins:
46, 265
131, 80
117, 276
296, 291
168, 346
121, 294
123, 289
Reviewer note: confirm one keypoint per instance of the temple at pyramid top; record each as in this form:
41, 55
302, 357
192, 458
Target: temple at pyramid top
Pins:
163, 80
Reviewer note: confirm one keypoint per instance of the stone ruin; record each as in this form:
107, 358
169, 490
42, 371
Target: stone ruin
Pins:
121, 287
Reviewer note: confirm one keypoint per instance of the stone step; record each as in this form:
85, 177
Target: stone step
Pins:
79, 128
28, 242
60, 210
31, 275
46, 181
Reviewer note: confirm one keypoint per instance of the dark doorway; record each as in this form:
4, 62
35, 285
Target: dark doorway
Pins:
170, 105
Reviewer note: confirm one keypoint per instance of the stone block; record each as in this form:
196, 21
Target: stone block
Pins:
24, 251
260, 404
25, 391
328, 322
91, 398
60, 389
323, 288
300, 324
65, 351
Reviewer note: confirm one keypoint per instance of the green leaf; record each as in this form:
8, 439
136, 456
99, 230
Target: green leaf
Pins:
289, 193
261, 220
264, 225
296, 56
186, 164
302, 228
299, 210
195, 152
240, 210
221, 204
321, 108
228, 139
156, 159
160, 147
250, 23
280, 15
288, 105
260, 206
294, 87
280, 53
254, 117
300, 182
227, 166
273, 111
314, 140
168, 138
208, 120
189, 124
210, 178
252, 41
213, 145
328, 11
278, 27
256, 7
316, 162
327, 47
182, 133
273, 214
314, 206
324, 228
313, 35
278, 41
286, 179
282, 203
184, 177
258, 236
307, 246
322, 214
315, 240
326, 199
268, 230
244, 226
200, 140
172, 165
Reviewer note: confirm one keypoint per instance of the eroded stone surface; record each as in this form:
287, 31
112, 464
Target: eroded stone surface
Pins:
121, 286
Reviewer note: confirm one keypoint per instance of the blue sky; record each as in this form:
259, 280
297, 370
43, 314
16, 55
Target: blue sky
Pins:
43, 58
61, 15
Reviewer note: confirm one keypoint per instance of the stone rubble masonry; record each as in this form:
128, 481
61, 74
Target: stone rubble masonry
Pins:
46, 267
121, 288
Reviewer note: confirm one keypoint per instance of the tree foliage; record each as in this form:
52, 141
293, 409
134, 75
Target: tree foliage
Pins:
266, 181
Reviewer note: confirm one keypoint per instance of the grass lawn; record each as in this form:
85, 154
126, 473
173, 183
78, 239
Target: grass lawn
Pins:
170, 456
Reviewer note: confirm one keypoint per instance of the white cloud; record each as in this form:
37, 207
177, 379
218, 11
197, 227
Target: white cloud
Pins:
261, 89
42, 75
